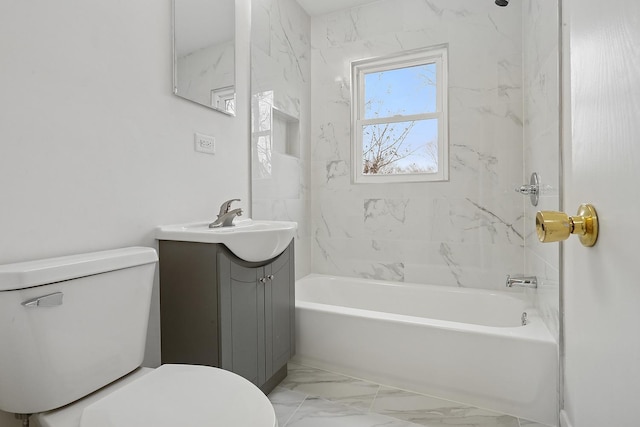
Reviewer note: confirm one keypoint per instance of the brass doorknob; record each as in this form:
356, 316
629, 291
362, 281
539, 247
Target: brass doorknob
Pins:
556, 226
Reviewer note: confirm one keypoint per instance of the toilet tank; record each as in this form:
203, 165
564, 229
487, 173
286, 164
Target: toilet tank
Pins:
88, 330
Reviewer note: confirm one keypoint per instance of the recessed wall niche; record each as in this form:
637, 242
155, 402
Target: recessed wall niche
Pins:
273, 132
286, 133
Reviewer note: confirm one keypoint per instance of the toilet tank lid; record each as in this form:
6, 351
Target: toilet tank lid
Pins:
28, 274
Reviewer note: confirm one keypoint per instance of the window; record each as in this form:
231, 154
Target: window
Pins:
400, 117
224, 99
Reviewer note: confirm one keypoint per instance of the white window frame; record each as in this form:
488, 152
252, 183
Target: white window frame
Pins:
224, 99
433, 55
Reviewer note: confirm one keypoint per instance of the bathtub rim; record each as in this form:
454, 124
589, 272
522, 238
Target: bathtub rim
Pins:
534, 330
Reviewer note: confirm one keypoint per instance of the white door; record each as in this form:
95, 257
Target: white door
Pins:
602, 166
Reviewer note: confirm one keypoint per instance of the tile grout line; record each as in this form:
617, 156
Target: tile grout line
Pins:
294, 412
374, 398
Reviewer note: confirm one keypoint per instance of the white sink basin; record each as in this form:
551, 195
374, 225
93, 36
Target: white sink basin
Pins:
250, 240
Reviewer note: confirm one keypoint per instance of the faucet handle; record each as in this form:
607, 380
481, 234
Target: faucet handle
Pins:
224, 208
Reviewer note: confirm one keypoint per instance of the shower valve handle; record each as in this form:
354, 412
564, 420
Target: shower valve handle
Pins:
532, 190
527, 189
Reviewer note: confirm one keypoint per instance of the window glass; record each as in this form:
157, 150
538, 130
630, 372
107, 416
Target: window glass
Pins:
400, 147
400, 117
410, 90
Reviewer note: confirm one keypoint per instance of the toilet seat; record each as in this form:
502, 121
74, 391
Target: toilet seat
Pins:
182, 395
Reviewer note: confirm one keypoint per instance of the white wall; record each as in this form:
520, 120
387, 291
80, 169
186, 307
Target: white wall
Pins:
95, 151
464, 232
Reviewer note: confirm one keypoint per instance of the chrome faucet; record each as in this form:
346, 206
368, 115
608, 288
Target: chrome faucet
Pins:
224, 208
522, 281
226, 216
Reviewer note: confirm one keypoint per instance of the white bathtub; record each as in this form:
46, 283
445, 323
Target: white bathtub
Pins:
465, 345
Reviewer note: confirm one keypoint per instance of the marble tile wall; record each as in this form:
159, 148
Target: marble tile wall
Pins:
542, 146
468, 231
280, 80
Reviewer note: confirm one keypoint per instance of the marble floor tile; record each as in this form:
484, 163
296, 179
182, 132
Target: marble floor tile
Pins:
285, 403
311, 397
526, 423
330, 386
316, 412
432, 412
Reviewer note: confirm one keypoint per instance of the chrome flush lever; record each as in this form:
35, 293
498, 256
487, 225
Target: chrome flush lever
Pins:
51, 300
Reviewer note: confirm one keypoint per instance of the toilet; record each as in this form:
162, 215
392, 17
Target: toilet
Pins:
72, 334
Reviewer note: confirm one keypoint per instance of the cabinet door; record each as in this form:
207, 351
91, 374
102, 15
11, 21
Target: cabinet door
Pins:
279, 307
189, 303
242, 320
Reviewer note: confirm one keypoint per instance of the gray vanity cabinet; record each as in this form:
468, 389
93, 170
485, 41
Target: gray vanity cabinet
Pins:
221, 311
255, 317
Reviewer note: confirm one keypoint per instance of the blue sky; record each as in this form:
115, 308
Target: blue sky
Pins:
405, 91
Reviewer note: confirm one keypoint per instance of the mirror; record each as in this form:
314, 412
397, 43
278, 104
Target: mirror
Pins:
204, 53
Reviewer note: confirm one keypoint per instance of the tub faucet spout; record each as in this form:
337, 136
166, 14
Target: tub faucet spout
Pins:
522, 281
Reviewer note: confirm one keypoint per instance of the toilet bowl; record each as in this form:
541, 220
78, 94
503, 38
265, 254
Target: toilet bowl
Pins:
169, 396
73, 336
